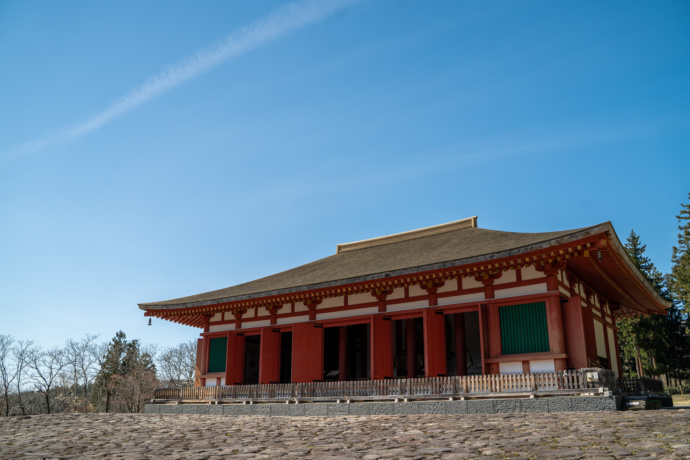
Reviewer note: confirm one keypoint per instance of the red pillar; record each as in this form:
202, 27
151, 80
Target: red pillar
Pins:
460, 345
342, 353
434, 342
234, 360
483, 336
269, 355
307, 352
575, 339
199, 369
590, 336
554, 322
411, 346
493, 332
381, 347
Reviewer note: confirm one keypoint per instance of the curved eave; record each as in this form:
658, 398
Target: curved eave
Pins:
609, 270
613, 275
583, 234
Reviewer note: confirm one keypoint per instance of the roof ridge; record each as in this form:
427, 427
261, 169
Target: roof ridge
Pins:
470, 222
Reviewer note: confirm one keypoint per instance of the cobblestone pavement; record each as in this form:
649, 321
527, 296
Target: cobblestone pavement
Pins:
638, 434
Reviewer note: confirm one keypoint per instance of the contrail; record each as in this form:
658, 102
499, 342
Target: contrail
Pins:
278, 23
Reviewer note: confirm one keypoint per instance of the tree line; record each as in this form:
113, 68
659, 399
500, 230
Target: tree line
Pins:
655, 345
86, 375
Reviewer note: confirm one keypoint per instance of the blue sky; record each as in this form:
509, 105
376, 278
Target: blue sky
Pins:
152, 150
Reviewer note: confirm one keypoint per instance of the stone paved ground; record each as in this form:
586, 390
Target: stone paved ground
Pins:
633, 434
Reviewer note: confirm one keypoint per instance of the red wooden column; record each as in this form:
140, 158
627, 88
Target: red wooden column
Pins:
575, 339
411, 346
460, 345
307, 352
269, 355
554, 324
199, 369
342, 353
483, 336
493, 337
434, 342
381, 347
234, 359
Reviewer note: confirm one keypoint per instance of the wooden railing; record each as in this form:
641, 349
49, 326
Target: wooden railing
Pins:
573, 381
641, 385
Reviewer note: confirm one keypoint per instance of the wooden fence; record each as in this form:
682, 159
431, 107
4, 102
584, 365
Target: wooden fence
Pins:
541, 383
642, 385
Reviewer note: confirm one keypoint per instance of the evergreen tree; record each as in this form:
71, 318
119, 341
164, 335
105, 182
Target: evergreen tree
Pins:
679, 278
654, 345
123, 362
638, 334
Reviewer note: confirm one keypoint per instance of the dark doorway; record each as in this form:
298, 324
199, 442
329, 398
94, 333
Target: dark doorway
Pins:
358, 362
408, 348
462, 336
252, 347
331, 352
286, 357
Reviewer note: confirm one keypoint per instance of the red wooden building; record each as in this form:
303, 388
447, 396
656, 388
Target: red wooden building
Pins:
452, 299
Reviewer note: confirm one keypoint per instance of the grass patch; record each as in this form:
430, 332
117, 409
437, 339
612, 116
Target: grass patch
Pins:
681, 400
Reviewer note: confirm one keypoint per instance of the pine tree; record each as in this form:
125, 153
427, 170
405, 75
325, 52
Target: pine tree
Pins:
123, 359
654, 345
636, 334
679, 278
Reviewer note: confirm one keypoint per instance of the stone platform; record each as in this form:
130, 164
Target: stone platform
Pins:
477, 406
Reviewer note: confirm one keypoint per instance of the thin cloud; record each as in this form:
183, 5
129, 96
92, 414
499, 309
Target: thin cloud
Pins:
280, 22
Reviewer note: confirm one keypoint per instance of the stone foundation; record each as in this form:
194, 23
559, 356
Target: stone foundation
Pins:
476, 406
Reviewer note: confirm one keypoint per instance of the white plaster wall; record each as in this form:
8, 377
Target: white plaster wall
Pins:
542, 365
510, 368
221, 327
398, 293
508, 276
347, 313
222, 381
612, 351
331, 302
364, 297
520, 290
596, 312
253, 324
210, 382
300, 307
293, 319
530, 273
461, 298
601, 342
449, 285
217, 317
471, 283
416, 291
407, 305
564, 291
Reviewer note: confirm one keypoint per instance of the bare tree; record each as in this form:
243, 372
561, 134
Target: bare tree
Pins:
7, 372
21, 354
83, 363
46, 366
177, 364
